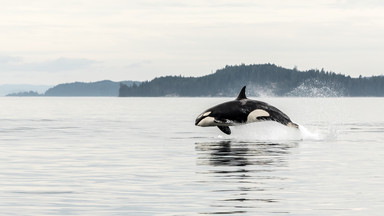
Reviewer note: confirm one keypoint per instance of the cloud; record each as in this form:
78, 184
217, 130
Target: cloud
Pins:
359, 4
141, 39
138, 64
11, 63
9, 59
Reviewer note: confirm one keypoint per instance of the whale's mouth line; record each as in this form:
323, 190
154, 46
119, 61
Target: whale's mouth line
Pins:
197, 121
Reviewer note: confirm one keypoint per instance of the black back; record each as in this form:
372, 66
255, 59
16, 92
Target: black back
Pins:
237, 111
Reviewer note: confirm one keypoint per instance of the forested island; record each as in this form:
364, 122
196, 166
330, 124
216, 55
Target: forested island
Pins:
261, 80
25, 94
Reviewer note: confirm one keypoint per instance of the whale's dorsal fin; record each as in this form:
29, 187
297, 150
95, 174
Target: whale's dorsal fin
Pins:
242, 94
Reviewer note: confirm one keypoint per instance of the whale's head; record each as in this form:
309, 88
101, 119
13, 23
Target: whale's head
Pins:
204, 119
213, 116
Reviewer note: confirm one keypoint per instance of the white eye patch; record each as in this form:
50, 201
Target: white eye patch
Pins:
204, 114
207, 113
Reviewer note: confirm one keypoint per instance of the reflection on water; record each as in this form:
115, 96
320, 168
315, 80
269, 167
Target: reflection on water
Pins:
228, 153
243, 174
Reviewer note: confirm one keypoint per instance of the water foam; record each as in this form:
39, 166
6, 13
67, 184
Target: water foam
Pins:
273, 131
307, 134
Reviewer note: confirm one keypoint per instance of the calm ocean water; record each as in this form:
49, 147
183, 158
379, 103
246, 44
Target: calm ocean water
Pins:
144, 156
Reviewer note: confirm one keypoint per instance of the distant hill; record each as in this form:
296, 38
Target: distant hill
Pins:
261, 80
105, 88
17, 88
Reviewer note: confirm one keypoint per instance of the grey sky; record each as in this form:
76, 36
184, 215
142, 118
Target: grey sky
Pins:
55, 41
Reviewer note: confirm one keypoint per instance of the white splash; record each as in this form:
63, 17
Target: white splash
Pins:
307, 134
265, 131
273, 131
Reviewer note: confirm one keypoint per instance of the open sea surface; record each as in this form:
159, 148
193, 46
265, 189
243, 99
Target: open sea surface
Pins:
145, 156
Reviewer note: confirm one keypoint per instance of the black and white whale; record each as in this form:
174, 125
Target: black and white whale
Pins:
241, 111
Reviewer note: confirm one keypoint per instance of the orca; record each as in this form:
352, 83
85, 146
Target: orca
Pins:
241, 111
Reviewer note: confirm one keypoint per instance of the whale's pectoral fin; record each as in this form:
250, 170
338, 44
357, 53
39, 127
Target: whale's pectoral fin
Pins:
225, 129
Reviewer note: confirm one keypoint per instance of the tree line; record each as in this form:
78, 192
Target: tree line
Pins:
261, 79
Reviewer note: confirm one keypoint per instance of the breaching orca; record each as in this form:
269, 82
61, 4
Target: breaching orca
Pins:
241, 111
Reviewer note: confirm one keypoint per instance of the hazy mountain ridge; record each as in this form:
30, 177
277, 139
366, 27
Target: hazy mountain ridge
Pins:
8, 89
105, 88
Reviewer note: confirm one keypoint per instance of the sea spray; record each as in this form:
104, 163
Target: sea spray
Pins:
265, 131
307, 134
273, 131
